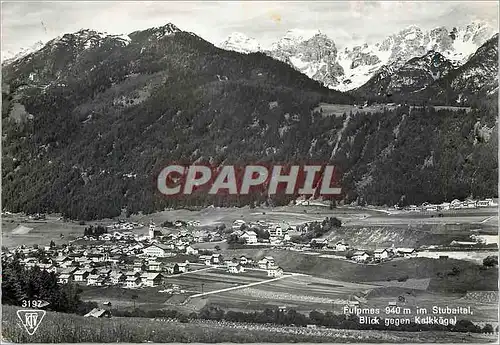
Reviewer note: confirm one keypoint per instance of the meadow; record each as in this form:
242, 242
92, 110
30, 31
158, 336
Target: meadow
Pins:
65, 328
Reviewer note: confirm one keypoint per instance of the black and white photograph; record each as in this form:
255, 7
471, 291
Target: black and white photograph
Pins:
249, 172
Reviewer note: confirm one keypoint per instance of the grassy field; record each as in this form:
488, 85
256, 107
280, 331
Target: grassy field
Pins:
341, 109
58, 328
470, 276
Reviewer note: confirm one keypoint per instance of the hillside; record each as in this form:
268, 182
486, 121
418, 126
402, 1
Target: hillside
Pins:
414, 75
469, 277
90, 120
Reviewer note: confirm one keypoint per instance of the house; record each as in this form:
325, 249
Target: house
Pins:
235, 268
133, 274
238, 223
250, 237
341, 246
117, 278
205, 259
405, 252
244, 261
65, 278
413, 208
191, 251
276, 231
153, 279
485, 203
168, 268
430, 208
265, 262
104, 271
445, 206
69, 270
381, 254
139, 266
181, 267
217, 259
154, 266
96, 257
319, 242
132, 282
98, 313
157, 250
81, 275
456, 204
274, 271
360, 256
470, 204
95, 280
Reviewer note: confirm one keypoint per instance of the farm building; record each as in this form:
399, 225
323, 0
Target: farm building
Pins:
153, 279
235, 268
360, 256
98, 313
381, 254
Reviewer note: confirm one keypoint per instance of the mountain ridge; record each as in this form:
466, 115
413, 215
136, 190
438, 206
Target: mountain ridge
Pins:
354, 65
90, 120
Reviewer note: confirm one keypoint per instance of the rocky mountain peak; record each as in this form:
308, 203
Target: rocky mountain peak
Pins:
240, 43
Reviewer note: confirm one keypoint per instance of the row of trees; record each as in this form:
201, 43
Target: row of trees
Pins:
317, 229
95, 231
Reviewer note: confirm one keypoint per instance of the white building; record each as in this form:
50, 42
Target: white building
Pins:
381, 254
274, 271
238, 223
250, 237
153, 279
485, 203
341, 246
266, 262
157, 250
191, 251
235, 268
133, 282
456, 204
360, 256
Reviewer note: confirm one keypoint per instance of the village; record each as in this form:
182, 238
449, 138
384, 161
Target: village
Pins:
116, 256
453, 205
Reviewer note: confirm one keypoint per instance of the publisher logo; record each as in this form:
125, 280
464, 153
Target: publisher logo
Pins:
31, 319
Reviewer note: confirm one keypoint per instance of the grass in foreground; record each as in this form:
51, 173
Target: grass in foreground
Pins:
59, 328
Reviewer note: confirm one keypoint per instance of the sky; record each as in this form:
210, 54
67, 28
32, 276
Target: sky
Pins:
24, 23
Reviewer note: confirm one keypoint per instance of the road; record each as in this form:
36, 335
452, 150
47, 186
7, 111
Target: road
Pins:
243, 286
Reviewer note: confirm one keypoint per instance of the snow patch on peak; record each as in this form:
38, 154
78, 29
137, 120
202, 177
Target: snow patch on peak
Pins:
10, 56
240, 43
295, 36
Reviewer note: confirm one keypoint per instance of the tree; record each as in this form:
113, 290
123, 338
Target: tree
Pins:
488, 328
490, 261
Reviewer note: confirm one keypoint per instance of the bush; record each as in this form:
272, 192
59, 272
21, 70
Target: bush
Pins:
490, 261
